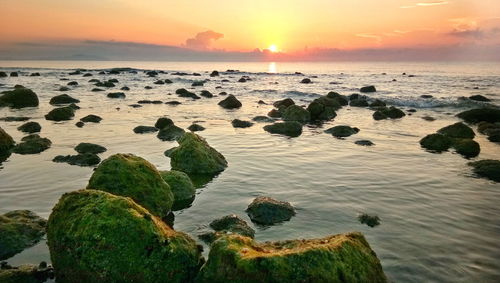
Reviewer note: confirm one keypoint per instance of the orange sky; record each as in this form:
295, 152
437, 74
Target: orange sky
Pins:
291, 25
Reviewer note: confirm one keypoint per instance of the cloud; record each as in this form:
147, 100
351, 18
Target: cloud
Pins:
471, 33
203, 40
424, 4
377, 38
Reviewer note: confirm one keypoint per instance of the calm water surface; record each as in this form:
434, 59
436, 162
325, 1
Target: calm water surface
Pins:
439, 222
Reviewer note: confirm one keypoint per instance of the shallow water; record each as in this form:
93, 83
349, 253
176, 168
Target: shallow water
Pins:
439, 223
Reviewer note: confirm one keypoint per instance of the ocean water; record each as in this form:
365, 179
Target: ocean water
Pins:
439, 222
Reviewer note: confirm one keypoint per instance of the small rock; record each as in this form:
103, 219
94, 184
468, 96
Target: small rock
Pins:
61, 114
63, 99
368, 89
370, 220
479, 98
116, 95
85, 159
91, 119
364, 142
289, 128
30, 127
306, 81
231, 102
89, 148
268, 211
32, 144
196, 128
144, 129
237, 123
342, 131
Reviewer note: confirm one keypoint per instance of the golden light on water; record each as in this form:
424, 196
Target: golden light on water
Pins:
272, 68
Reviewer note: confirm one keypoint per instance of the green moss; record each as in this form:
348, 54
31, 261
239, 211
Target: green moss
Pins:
19, 229
338, 258
19, 98
436, 142
296, 113
457, 130
132, 176
94, 236
195, 156
6, 141
181, 186
487, 168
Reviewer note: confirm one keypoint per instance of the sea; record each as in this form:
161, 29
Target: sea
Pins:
438, 221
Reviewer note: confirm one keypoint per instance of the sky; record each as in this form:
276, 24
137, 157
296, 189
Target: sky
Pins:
290, 28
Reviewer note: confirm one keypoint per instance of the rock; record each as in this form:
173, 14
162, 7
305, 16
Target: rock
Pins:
261, 102
167, 81
132, 176
19, 98
370, 220
289, 128
125, 88
63, 99
32, 144
159, 82
30, 127
97, 89
198, 83
77, 72
342, 131
466, 147
116, 95
338, 258
174, 103
36, 74
19, 229
237, 123
196, 127
274, 113
6, 141
355, 96
170, 133
214, 74
73, 83
152, 73
323, 109
87, 75
296, 113
360, 102
242, 80
74, 106
184, 93
89, 148
377, 103
341, 99
284, 103
61, 114
429, 118
149, 102
386, 113
364, 142
491, 115
195, 156
230, 102
232, 224
487, 168
85, 159
105, 84
368, 89
206, 93
91, 119
181, 186
145, 129
80, 124
94, 236
479, 98
3, 74
306, 81
64, 88
168, 152
26, 273
14, 74
426, 96
268, 211
436, 142
14, 119
457, 130
262, 119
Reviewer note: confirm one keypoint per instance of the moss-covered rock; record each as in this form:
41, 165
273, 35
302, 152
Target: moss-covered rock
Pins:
237, 123
6, 141
289, 128
30, 127
296, 113
230, 102
457, 130
195, 156
487, 168
93, 148
116, 95
132, 176
181, 186
170, 133
83, 159
268, 211
274, 113
233, 224
338, 258
63, 99
341, 99
19, 229
26, 273
19, 98
94, 236
321, 112
466, 147
32, 144
370, 220
436, 142
61, 114
342, 131
491, 115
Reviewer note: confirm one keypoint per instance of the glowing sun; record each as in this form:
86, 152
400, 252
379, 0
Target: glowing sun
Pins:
273, 48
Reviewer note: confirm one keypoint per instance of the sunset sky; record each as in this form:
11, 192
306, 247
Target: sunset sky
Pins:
290, 25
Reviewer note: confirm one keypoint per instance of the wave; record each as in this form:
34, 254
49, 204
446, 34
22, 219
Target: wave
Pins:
301, 94
417, 102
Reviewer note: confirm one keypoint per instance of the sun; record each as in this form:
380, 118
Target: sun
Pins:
273, 48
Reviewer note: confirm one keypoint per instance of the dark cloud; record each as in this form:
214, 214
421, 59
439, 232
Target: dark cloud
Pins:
203, 40
468, 33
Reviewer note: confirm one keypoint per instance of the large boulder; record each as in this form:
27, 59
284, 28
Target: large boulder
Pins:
342, 131
296, 113
30, 127
63, 99
6, 141
289, 128
181, 186
268, 211
61, 114
19, 229
195, 156
94, 236
230, 102
457, 130
487, 168
491, 115
338, 258
132, 176
32, 144
19, 98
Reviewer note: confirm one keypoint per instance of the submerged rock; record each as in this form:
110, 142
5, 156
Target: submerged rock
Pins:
32, 144
145, 129
93, 148
195, 156
364, 142
479, 98
19, 229
14, 119
436, 142
132, 176
491, 115
232, 224
19, 98
63, 99
359, 102
457, 130
341, 99
91, 119
290, 128
94, 236
342, 131
61, 114
196, 128
268, 211
230, 102
237, 123
30, 127
296, 113
181, 186
263, 119
6, 141
338, 258
116, 95
487, 168
370, 220
368, 89
170, 133
85, 159
274, 113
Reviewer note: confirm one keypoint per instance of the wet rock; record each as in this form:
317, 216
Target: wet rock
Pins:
368, 89
185, 93
163, 122
73, 83
152, 73
97, 89
426, 96
231, 102
341, 99
342, 131
64, 88
63, 99
232, 224
61, 114
74, 106
242, 80
296, 113
457, 130
14, 119
32, 144
344, 258
107, 84
91, 119
85, 159
80, 124
145, 129
19, 229
263, 119
262, 102
125, 88
198, 83
274, 113
26, 273
167, 81
168, 152
181, 186
370, 220
196, 128
268, 211
359, 102
466, 147
364, 142
289, 128
222, 93
36, 74
19, 98
206, 93
92, 148
116, 95
479, 98
377, 103
87, 75
487, 168
214, 74
30, 127
436, 142
132, 176
491, 115
150, 102
323, 109
284, 103
306, 81
237, 123
14, 74
134, 246
170, 133
429, 118
77, 72
3, 75
174, 102
388, 113
6, 141
195, 156
159, 82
